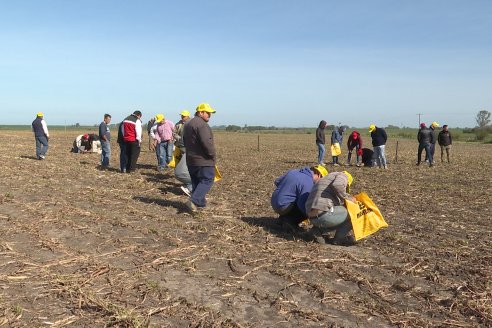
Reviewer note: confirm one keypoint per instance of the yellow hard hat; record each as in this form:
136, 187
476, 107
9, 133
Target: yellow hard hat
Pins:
435, 124
184, 113
372, 127
40, 114
321, 169
159, 118
204, 107
350, 177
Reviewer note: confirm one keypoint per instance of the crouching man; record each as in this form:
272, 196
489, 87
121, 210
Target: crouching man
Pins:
292, 190
325, 207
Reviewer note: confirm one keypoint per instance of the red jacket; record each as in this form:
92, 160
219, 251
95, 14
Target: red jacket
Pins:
354, 140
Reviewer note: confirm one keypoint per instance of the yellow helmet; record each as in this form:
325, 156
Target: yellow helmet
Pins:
204, 107
321, 169
159, 118
349, 177
435, 124
184, 113
40, 114
372, 127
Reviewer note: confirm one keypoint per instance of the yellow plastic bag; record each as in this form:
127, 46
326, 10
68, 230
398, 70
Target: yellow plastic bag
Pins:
176, 157
335, 149
218, 176
365, 216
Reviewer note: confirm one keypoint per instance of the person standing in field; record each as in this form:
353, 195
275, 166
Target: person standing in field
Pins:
200, 155
425, 138
132, 138
379, 138
291, 192
320, 141
433, 126
122, 145
105, 137
326, 209
150, 124
162, 133
337, 138
354, 142
444, 139
181, 169
41, 135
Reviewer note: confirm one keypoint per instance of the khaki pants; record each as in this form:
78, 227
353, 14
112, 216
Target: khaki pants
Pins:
447, 148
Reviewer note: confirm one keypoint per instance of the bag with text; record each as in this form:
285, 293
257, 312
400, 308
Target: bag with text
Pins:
365, 216
335, 149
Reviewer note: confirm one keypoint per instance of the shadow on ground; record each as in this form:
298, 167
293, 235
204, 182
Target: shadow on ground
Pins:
273, 226
180, 206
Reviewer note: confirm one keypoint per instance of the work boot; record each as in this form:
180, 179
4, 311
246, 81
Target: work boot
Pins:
317, 235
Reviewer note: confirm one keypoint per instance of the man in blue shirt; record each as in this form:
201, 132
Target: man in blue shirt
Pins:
105, 136
290, 196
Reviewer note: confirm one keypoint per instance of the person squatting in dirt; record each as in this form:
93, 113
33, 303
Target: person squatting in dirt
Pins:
200, 155
325, 207
445, 141
41, 135
162, 135
425, 137
354, 142
131, 137
87, 143
320, 142
181, 169
291, 193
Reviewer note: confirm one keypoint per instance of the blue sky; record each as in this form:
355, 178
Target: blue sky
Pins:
282, 62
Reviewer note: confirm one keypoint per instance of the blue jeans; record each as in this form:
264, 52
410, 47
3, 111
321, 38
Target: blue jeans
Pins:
380, 156
321, 152
338, 219
349, 156
428, 154
41, 146
164, 153
202, 179
122, 157
106, 152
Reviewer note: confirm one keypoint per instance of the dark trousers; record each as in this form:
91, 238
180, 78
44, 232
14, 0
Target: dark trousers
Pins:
123, 159
428, 154
202, 179
132, 153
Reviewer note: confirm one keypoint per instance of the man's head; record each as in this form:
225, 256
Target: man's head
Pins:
350, 180
445, 127
137, 113
39, 114
107, 118
204, 111
85, 136
434, 125
422, 125
319, 171
159, 118
185, 115
354, 135
372, 127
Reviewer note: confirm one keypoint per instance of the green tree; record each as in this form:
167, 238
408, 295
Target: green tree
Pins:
483, 118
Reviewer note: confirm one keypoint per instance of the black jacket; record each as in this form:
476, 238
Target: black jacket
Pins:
379, 137
426, 136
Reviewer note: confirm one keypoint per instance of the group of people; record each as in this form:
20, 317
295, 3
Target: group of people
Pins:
313, 193
354, 143
377, 157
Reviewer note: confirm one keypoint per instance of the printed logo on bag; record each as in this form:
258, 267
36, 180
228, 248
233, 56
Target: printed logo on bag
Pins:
363, 210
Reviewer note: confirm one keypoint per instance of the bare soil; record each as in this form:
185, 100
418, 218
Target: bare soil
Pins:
86, 247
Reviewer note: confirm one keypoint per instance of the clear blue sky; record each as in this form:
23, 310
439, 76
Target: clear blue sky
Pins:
279, 62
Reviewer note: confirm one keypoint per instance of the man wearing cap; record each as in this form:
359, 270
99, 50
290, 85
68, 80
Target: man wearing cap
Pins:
41, 135
354, 142
162, 133
200, 155
87, 143
379, 138
181, 170
433, 127
105, 136
326, 209
445, 141
425, 138
131, 133
291, 192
